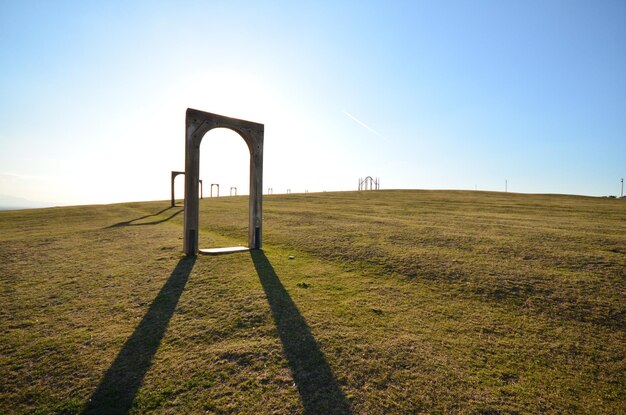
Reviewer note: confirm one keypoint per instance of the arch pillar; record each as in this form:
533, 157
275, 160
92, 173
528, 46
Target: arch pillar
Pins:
197, 124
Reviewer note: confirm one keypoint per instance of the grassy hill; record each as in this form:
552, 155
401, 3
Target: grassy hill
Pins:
361, 302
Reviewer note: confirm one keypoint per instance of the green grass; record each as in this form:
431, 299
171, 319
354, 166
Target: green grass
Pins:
393, 302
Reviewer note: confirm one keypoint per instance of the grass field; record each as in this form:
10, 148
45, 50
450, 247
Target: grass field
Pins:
370, 302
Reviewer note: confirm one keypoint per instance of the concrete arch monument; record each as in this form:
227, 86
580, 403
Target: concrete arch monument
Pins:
176, 173
197, 124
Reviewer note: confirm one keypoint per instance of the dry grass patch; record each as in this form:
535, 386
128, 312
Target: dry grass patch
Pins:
361, 302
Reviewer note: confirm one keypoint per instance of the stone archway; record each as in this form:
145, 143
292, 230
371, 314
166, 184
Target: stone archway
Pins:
176, 173
197, 124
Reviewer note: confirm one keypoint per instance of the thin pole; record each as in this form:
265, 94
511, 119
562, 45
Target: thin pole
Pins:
506, 186
622, 187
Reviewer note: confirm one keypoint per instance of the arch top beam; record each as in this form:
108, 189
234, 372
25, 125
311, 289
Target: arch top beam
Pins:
200, 122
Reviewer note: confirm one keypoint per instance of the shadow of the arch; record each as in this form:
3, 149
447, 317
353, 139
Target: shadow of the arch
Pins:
119, 386
317, 386
155, 222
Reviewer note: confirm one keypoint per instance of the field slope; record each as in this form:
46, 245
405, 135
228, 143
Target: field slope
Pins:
369, 302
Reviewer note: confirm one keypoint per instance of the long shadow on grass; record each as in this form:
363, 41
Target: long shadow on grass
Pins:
318, 388
117, 390
155, 222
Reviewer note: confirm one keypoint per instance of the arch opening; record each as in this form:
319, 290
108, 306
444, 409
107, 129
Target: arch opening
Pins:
224, 163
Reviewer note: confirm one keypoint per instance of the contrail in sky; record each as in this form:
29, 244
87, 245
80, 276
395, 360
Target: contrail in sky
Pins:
356, 120
7, 175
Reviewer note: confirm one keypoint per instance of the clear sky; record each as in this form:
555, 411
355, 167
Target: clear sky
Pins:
423, 94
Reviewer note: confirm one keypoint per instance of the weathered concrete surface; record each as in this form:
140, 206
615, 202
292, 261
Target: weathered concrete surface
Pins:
197, 124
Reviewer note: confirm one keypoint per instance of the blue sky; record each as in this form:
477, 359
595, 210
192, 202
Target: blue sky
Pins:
437, 94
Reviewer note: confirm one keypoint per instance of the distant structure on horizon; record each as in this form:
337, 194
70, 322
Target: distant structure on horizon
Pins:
176, 173
369, 183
